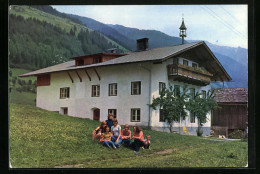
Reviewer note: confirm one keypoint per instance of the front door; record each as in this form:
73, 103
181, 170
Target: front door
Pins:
96, 115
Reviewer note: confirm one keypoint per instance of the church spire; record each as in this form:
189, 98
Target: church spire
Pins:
183, 30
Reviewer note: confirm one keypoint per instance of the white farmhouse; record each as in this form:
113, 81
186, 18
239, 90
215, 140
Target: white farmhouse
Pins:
94, 85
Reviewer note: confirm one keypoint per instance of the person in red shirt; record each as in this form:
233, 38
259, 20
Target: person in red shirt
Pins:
138, 139
126, 135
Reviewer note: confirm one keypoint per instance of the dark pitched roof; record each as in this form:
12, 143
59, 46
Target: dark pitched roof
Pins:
230, 95
183, 27
156, 54
141, 56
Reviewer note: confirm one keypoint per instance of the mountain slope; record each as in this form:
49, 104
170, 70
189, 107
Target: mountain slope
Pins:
106, 30
237, 71
50, 39
156, 38
237, 53
128, 36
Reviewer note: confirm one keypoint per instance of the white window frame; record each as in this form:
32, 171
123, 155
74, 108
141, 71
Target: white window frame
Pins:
113, 111
112, 89
203, 94
95, 92
161, 86
194, 92
192, 117
175, 88
64, 93
136, 88
185, 60
197, 65
134, 115
161, 115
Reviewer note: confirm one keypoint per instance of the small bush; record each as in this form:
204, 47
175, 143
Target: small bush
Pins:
232, 155
19, 89
236, 134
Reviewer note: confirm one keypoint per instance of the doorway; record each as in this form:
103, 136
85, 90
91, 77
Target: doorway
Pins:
96, 114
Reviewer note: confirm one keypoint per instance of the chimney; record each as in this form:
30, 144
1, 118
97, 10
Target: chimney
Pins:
142, 44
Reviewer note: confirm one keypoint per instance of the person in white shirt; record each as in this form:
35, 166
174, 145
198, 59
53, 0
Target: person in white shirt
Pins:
116, 131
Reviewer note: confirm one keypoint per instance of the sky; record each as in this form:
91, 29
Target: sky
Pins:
225, 25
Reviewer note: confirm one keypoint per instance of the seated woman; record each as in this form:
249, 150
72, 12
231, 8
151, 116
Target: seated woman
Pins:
126, 135
96, 134
106, 138
138, 139
116, 131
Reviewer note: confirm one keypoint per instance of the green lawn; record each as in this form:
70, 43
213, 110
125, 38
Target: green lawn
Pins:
44, 139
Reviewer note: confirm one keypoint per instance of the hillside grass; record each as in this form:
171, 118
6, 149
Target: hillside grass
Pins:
44, 139
19, 71
66, 24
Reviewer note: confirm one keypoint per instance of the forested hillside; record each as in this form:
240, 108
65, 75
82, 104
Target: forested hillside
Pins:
36, 42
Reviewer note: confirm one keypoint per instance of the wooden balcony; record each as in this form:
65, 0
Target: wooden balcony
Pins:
187, 74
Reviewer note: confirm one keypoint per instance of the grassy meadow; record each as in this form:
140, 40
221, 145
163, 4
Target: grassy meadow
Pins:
43, 139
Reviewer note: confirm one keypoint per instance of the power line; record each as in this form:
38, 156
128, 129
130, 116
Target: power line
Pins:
230, 15
213, 14
222, 20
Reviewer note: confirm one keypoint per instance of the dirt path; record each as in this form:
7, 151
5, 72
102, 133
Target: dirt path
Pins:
167, 151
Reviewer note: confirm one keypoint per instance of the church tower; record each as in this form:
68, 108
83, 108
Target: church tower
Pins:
183, 30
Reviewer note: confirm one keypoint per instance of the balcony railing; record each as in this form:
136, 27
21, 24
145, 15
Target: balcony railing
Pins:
187, 74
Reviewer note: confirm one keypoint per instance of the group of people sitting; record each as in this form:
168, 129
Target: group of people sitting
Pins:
109, 133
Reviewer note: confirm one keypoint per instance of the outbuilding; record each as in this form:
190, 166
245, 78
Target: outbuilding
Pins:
233, 112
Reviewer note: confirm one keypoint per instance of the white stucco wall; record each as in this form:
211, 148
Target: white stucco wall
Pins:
159, 74
81, 104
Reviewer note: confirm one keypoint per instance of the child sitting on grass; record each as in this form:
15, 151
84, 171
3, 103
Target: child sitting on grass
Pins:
126, 135
147, 142
106, 138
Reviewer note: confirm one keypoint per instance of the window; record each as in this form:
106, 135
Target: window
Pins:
95, 90
161, 116
112, 91
97, 60
175, 60
112, 111
194, 65
64, 93
185, 62
204, 121
177, 90
64, 111
135, 88
135, 115
192, 93
203, 93
192, 117
80, 62
177, 119
161, 86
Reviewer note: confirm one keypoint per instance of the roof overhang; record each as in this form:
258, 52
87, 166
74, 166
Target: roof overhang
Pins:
202, 52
